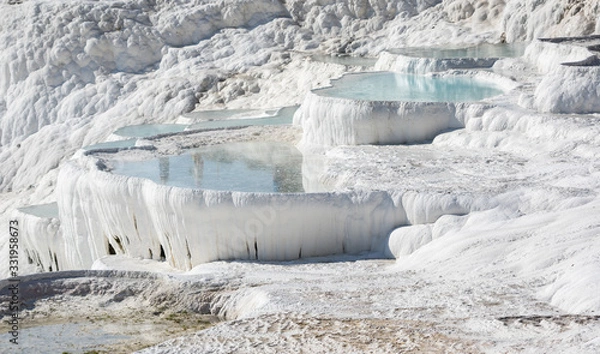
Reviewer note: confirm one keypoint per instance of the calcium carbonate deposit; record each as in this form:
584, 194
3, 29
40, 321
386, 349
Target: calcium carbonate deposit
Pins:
219, 176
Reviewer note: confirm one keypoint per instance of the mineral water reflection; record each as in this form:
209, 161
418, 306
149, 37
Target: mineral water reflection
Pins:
219, 119
387, 86
246, 167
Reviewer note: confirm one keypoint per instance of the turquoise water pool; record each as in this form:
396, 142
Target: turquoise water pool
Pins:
148, 130
245, 167
118, 144
388, 86
222, 114
283, 116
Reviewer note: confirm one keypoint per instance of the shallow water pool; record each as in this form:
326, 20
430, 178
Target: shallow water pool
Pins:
283, 116
246, 167
222, 114
148, 130
117, 144
388, 86
60, 338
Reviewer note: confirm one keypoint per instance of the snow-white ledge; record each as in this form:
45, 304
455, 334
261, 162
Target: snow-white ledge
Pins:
103, 213
332, 121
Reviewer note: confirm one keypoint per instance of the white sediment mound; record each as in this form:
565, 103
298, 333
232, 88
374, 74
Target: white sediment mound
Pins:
570, 89
493, 225
69, 70
546, 56
571, 75
331, 121
406, 64
42, 240
139, 218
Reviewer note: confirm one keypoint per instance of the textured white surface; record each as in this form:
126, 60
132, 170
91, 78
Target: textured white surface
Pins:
570, 89
195, 226
406, 64
332, 121
546, 56
73, 72
69, 70
137, 217
41, 239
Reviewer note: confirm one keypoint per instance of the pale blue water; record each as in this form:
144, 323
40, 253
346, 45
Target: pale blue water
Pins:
388, 86
284, 116
246, 167
221, 114
486, 50
59, 338
49, 210
148, 130
112, 145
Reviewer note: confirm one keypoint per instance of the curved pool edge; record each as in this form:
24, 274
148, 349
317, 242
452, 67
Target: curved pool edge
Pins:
421, 65
102, 213
331, 121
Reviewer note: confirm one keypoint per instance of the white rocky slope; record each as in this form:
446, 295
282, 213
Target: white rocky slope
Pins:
72, 72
